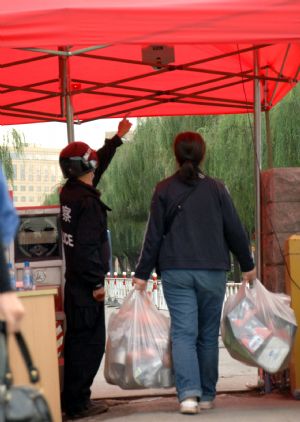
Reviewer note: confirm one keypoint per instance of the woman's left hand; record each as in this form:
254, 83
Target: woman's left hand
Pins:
139, 284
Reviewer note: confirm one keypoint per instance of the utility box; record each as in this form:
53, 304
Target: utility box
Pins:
38, 241
292, 281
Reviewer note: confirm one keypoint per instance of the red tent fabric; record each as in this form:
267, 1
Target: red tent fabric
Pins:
211, 71
90, 22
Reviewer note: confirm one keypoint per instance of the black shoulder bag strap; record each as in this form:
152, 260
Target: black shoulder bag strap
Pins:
5, 373
176, 209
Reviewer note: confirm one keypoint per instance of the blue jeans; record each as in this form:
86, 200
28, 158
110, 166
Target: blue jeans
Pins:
195, 300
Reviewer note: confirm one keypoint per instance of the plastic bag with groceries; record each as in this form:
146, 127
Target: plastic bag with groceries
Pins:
138, 348
258, 327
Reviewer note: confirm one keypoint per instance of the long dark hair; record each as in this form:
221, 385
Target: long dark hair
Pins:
189, 149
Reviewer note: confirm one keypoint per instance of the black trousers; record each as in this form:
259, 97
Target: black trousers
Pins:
83, 351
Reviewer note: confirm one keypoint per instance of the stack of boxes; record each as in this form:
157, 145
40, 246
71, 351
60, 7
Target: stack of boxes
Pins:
280, 205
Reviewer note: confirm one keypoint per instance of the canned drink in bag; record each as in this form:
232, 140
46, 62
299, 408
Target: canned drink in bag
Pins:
166, 378
119, 356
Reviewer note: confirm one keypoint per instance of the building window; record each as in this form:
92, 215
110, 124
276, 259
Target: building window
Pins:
15, 169
15, 188
16, 199
22, 188
22, 172
31, 199
30, 188
38, 174
23, 198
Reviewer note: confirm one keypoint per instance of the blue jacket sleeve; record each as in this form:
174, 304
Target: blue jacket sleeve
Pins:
9, 220
4, 278
234, 232
153, 238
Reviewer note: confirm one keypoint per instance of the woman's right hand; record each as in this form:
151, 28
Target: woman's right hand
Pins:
11, 310
139, 284
249, 276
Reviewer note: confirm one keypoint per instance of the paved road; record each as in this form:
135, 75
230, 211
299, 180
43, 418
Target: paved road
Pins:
235, 407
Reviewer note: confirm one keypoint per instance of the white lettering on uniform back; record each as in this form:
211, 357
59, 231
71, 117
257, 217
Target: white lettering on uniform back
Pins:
66, 213
68, 239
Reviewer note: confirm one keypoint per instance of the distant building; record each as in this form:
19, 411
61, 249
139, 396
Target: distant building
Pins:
36, 174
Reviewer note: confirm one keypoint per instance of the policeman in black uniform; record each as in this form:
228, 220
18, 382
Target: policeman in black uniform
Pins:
83, 219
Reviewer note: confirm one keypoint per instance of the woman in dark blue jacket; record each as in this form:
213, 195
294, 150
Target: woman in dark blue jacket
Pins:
192, 227
11, 307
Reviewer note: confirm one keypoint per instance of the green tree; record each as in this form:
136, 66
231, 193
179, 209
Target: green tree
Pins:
285, 124
53, 197
12, 140
230, 158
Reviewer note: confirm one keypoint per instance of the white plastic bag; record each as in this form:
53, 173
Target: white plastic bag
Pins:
258, 327
138, 351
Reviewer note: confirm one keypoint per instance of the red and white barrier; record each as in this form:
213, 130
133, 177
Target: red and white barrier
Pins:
59, 337
118, 287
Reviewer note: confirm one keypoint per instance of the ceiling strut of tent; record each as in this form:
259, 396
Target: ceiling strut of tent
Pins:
131, 96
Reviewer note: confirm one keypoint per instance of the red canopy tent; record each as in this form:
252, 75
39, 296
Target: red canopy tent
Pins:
81, 60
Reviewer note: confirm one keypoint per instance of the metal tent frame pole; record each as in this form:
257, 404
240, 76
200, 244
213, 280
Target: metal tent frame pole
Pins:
257, 162
66, 103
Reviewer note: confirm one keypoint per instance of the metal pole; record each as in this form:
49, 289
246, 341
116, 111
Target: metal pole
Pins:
69, 118
257, 162
66, 105
268, 125
269, 139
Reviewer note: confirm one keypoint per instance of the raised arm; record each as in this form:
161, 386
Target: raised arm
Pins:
106, 153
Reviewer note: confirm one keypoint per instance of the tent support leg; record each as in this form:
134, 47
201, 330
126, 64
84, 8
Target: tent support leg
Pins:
69, 118
257, 163
269, 139
65, 80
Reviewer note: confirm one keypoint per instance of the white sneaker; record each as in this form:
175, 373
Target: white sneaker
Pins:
189, 406
206, 405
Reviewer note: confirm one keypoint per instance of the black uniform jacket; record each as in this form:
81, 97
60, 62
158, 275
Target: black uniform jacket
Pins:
203, 231
83, 219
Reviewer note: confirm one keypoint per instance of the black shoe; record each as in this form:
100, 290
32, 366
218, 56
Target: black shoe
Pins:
92, 408
71, 415
96, 406
93, 403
